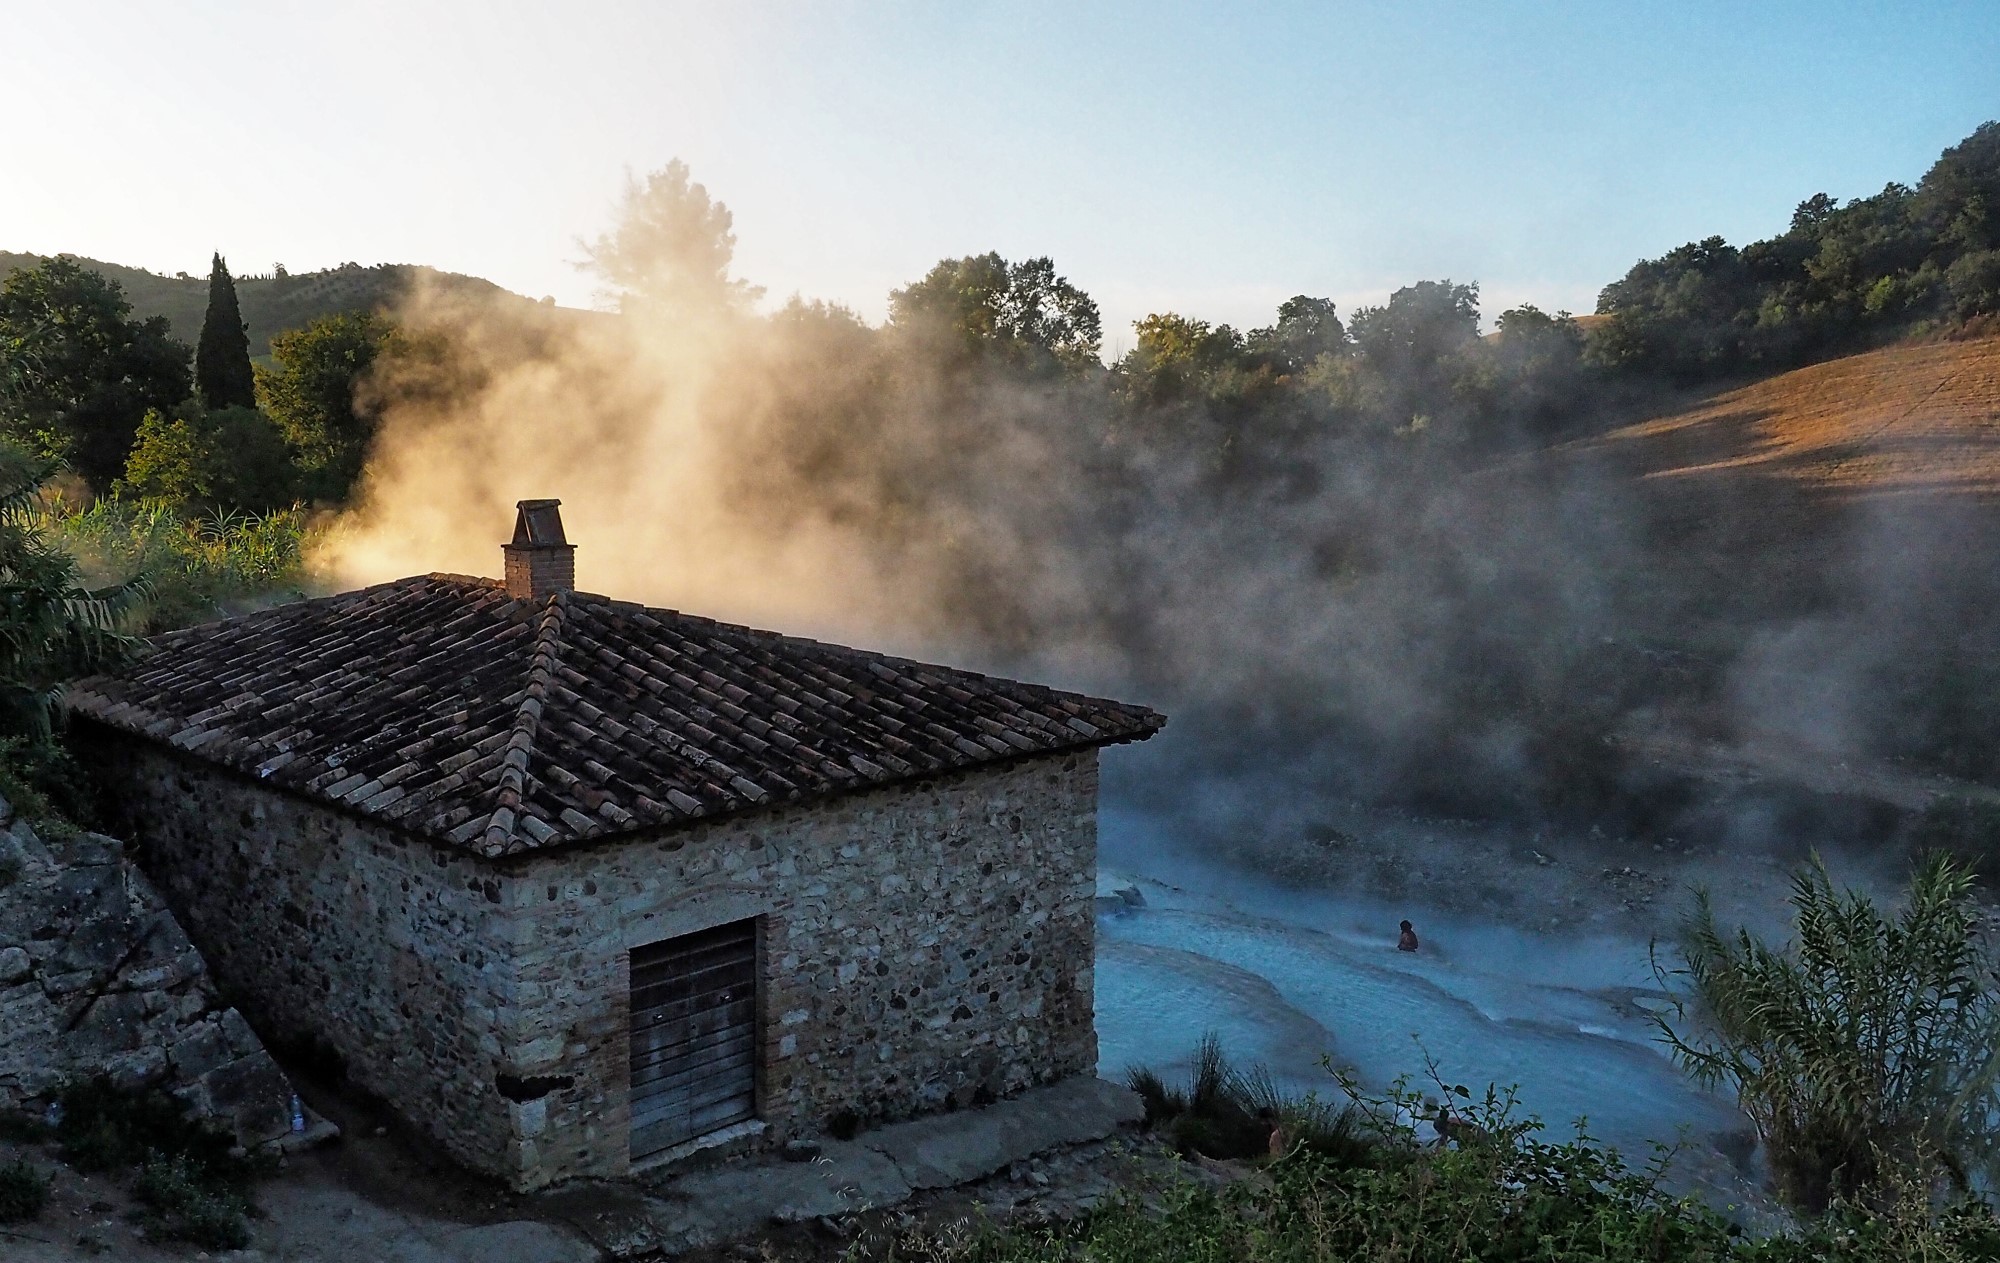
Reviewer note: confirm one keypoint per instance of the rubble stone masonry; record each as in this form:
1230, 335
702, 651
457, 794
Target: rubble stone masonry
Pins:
923, 946
96, 978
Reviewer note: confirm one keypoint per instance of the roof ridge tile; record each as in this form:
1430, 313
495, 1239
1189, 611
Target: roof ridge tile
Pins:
498, 837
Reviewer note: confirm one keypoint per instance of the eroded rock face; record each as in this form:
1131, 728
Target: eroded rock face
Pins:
96, 977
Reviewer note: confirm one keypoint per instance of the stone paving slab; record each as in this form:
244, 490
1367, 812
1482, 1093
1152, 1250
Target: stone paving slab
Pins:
951, 1149
875, 1170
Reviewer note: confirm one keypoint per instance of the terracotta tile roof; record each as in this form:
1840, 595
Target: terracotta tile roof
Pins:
444, 706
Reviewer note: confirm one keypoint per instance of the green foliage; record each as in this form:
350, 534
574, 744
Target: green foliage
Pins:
1507, 1195
192, 1182
1022, 312
23, 1192
45, 785
314, 396
1966, 829
84, 372
186, 1203
198, 568
107, 1128
222, 358
1869, 1048
1503, 1194
214, 459
52, 628
1176, 356
1419, 326
1840, 276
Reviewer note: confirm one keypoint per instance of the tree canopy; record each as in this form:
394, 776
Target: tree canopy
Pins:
311, 396
1023, 312
1839, 277
90, 371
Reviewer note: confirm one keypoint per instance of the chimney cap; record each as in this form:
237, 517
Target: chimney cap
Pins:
537, 523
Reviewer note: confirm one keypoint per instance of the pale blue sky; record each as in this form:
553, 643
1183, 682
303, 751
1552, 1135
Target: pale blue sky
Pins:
1210, 159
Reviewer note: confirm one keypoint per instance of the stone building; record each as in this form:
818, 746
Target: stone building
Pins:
577, 885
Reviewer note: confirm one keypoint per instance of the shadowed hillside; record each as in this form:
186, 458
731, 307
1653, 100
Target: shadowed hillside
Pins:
272, 304
1816, 562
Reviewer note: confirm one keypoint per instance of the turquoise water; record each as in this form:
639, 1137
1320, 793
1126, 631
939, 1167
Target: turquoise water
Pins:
1291, 981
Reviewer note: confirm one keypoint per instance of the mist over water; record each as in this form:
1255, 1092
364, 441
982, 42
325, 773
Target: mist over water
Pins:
1300, 982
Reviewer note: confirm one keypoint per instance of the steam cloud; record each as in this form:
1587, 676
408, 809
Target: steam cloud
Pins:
1432, 624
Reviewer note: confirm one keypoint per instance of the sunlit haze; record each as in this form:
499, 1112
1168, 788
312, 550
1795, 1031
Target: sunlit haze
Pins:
1212, 160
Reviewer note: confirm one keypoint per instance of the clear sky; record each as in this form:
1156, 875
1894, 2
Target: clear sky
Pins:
1210, 159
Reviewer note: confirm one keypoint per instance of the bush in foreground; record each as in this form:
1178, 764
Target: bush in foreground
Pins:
1226, 1113
23, 1192
1867, 1053
192, 1180
1499, 1194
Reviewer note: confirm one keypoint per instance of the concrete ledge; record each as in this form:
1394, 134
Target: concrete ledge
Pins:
874, 1170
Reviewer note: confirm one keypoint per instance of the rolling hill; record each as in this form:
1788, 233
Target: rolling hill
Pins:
272, 304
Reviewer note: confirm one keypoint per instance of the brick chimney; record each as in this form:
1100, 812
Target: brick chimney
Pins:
539, 561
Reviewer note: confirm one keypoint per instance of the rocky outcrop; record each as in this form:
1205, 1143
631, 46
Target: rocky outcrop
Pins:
96, 977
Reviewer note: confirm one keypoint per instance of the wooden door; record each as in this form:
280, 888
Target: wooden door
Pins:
694, 1036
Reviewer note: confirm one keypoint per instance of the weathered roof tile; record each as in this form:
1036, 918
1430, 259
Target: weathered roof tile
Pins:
445, 706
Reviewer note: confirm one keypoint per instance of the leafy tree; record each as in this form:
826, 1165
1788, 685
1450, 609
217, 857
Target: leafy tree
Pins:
52, 628
1870, 1047
92, 371
1176, 356
1413, 349
1959, 196
312, 396
1419, 326
1839, 277
220, 459
1023, 312
222, 357
1307, 328
670, 251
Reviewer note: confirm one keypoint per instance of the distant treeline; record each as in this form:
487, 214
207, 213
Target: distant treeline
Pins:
1841, 277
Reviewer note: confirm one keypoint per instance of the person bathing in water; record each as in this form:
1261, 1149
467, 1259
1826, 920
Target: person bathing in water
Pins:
1407, 941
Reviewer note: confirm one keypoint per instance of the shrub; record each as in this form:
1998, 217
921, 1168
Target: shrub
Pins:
52, 628
1867, 1051
1501, 1194
184, 1203
222, 459
1966, 829
23, 1192
106, 1128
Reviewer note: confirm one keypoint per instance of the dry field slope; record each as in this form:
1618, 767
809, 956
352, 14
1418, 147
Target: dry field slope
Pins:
1921, 418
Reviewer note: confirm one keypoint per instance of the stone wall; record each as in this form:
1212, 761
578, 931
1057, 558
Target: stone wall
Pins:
923, 946
96, 978
334, 935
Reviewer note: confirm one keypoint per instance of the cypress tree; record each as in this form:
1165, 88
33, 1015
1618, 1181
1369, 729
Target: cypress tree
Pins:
222, 359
